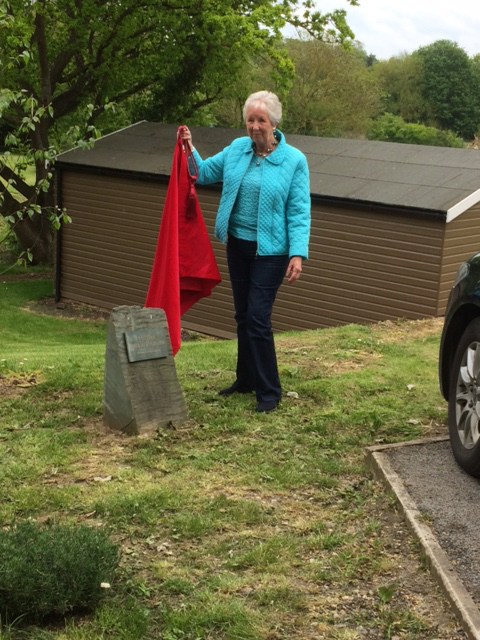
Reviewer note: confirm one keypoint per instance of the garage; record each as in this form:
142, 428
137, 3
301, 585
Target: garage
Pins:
390, 225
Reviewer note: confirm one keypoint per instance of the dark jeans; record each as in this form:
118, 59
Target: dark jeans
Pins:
255, 282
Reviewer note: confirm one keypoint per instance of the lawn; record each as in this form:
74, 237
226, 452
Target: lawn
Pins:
234, 525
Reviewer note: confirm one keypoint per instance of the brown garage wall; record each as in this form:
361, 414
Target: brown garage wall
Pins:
107, 251
462, 239
364, 266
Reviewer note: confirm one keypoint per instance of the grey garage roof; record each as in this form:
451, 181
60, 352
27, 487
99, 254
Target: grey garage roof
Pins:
436, 179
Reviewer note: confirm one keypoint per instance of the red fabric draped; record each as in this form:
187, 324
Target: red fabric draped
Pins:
184, 268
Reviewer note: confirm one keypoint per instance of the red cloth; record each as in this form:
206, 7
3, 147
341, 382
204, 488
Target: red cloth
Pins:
184, 268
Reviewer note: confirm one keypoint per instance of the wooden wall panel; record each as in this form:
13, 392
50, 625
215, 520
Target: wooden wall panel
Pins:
364, 266
108, 250
462, 239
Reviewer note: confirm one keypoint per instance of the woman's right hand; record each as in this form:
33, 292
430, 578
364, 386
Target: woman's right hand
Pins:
186, 136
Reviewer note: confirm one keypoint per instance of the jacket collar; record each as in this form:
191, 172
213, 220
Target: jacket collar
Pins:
279, 153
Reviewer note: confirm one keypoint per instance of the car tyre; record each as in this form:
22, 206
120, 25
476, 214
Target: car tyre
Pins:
464, 401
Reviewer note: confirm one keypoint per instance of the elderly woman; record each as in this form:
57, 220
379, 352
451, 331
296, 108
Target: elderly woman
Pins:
264, 218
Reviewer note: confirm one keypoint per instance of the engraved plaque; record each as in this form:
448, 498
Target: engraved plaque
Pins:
146, 344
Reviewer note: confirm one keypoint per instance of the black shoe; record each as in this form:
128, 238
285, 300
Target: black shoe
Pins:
267, 407
235, 388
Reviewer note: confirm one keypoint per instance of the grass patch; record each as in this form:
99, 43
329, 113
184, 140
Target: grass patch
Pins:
235, 525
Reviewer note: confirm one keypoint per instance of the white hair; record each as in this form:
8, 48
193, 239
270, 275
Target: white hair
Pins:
269, 100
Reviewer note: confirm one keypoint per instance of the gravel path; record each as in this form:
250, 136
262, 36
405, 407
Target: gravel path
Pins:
450, 500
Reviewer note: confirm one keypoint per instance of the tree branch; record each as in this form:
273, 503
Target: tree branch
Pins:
43, 58
82, 71
10, 205
134, 52
11, 119
70, 99
113, 32
62, 60
20, 185
130, 92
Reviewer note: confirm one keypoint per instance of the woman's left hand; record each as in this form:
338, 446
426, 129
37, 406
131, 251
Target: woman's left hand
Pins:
294, 269
186, 136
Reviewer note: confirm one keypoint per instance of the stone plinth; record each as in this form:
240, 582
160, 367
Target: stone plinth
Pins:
141, 389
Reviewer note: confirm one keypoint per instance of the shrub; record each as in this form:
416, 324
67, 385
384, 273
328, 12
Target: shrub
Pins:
390, 128
52, 570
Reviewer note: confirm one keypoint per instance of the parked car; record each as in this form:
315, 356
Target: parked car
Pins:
459, 365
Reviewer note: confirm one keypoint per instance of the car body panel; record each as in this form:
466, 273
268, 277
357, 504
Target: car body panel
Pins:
462, 307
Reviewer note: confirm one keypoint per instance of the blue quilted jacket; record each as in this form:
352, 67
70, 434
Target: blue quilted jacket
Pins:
284, 203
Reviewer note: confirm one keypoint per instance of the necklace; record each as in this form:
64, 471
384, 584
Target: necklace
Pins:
264, 154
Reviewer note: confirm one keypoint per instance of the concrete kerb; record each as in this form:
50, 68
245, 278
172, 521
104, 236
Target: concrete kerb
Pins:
440, 566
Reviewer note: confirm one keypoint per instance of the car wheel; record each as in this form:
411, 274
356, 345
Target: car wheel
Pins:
464, 401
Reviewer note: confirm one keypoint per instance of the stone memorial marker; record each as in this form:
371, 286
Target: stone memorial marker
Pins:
141, 389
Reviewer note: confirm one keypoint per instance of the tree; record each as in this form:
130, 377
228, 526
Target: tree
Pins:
368, 59
334, 93
401, 79
63, 63
451, 86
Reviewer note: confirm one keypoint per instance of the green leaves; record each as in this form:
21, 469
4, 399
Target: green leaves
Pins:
321, 101
65, 64
436, 86
390, 128
451, 84
385, 593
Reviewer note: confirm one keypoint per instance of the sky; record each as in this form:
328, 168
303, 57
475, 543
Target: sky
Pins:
388, 28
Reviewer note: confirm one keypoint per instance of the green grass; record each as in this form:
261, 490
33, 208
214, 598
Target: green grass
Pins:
27, 173
234, 525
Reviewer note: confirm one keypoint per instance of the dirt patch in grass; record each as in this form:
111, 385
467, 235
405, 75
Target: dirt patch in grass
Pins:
317, 360
13, 384
22, 277
68, 310
107, 447
357, 360
312, 352
390, 331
